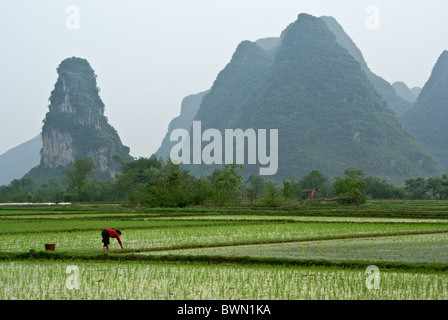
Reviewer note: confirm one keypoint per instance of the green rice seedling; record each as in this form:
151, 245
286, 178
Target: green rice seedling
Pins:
156, 238
129, 280
427, 248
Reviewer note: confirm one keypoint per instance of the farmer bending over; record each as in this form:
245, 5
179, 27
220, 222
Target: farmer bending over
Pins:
109, 233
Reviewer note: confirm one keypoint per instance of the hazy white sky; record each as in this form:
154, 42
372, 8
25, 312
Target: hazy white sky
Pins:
150, 54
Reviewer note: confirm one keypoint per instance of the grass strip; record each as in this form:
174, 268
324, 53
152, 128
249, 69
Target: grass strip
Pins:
245, 243
219, 223
194, 223
287, 262
387, 209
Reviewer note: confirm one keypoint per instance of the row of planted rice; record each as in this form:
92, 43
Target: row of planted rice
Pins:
132, 280
153, 238
425, 248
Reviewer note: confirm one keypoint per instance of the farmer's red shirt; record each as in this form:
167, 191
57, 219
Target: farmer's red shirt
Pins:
113, 234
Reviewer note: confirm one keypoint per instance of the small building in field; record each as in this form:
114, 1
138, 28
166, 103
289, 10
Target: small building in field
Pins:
310, 193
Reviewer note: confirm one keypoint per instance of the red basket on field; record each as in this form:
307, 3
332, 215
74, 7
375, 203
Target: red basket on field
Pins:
50, 246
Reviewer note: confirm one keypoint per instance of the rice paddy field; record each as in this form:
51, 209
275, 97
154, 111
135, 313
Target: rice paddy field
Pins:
383, 250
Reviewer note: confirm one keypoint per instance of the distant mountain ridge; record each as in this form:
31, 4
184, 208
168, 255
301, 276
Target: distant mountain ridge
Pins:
396, 103
324, 102
405, 92
189, 107
428, 119
16, 162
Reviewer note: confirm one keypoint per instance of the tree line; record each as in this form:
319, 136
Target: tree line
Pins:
153, 182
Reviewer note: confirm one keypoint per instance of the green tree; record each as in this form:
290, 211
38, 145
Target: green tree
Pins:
399, 193
288, 189
258, 183
227, 185
173, 188
18, 196
78, 175
444, 187
377, 188
272, 196
255, 188
434, 187
4, 193
51, 190
251, 194
416, 188
136, 174
353, 172
25, 185
353, 184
